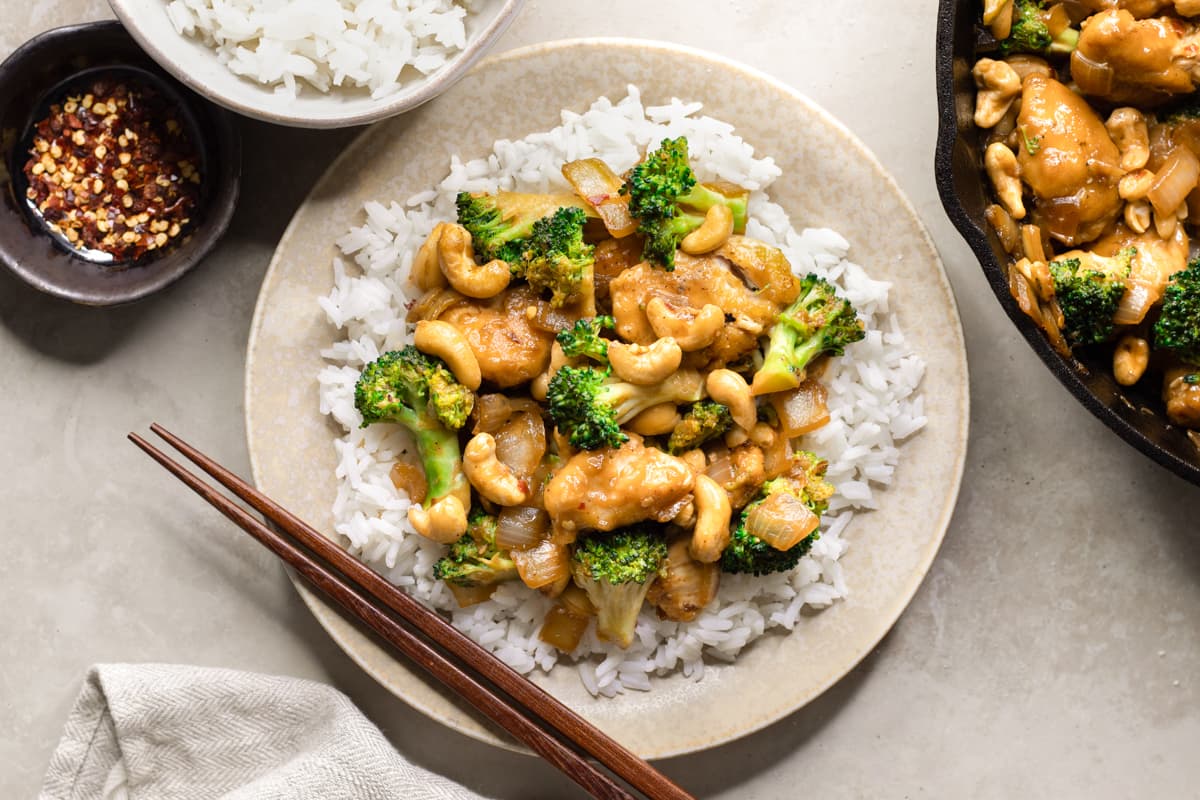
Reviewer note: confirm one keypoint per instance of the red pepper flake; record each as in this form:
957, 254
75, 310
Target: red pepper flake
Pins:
112, 169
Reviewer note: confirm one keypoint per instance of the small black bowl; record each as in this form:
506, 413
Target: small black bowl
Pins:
34, 76
1135, 413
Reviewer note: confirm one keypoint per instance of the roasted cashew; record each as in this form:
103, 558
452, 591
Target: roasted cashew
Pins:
493, 480
444, 521
1130, 359
1136, 184
711, 533
762, 435
1025, 65
691, 330
695, 459
998, 16
729, 388
540, 385
655, 420
1164, 224
1038, 275
1127, 127
1187, 8
645, 366
426, 272
686, 518
456, 255
445, 341
714, 232
1137, 216
1005, 174
735, 437
998, 84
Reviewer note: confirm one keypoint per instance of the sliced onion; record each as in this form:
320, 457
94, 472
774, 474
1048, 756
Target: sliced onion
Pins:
600, 188
1093, 77
802, 410
521, 527
1139, 298
433, 304
781, 521
521, 443
562, 629
542, 565
721, 469
685, 586
491, 412
1175, 181
1004, 226
777, 456
1057, 20
410, 479
576, 602
471, 595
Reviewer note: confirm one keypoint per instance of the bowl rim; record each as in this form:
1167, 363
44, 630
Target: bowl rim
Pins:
223, 141
397, 103
1068, 371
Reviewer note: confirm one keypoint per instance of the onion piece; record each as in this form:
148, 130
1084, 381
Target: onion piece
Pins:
600, 188
1004, 226
521, 527
1057, 20
491, 412
470, 595
521, 443
781, 520
433, 304
542, 565
1139, 298
803, 409
561, 629
410, 479
1175, 181
1093, 77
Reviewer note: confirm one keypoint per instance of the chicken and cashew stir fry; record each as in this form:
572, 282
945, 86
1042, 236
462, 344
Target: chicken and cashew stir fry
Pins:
606, 391
1092, 125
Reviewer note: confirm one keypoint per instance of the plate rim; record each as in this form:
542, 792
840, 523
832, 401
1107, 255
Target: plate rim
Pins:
322, 610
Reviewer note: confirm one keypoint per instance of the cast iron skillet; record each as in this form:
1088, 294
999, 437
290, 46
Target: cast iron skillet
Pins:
1135, 413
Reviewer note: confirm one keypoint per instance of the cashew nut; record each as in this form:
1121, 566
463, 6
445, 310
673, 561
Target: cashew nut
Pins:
691, 329
762, 435
456, 255
998, 16
1026, 65
1127, 127
540, 385
1187, 8
686, 518
695, 459
714, 232
1136, 184
735, 437
1002, 168
1164, 224
1130, 359
711, 533
998, 84
447, 342
426, 272
1038, 275
493, 480
729, 388
1137, 216
645, 366
656, 420
444, 521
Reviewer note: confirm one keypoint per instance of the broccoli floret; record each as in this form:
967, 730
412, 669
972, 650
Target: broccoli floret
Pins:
706, 420
1178, 327
615, 569
410, 388
749, 554
588, 405
818, 322
584, 339
1031, 34
499, 224
555, 258
1089, 288
474, 560
668, 203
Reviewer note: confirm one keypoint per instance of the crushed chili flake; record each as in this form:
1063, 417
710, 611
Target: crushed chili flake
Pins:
113, 169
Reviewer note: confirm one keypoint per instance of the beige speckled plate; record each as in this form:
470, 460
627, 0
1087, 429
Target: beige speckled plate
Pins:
829, 179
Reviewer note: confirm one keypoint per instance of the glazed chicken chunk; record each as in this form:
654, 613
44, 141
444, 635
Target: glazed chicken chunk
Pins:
509, 349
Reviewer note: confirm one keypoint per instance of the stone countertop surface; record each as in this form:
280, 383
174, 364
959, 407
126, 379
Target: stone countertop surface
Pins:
1052, 651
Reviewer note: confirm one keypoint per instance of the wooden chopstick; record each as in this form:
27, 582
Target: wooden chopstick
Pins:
369, 583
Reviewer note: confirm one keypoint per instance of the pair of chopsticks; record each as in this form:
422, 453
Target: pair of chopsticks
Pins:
542, 723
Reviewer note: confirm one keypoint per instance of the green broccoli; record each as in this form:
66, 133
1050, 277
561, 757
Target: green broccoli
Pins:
499, 224
668, 203
555, 258
474, 560
747, 553
588, 405
818, 322
419, 392
1030, 33
615, 569
706, 420
584, 339
1089, 288
1178, 327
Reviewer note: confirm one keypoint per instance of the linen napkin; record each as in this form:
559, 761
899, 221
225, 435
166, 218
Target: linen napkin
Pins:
147, 731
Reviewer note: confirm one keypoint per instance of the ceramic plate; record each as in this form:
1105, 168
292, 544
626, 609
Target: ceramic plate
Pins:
829, 179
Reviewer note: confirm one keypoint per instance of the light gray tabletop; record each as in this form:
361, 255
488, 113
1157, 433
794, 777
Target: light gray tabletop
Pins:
1051, 652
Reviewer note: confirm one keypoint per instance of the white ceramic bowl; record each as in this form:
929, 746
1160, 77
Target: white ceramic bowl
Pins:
196, 65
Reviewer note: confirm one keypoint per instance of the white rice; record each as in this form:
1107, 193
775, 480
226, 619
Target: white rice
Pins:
873, 400
371, 45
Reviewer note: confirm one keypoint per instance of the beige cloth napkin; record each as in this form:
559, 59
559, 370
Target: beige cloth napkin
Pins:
147, 731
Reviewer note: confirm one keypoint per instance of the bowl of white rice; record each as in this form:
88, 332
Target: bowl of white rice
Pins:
335, 296
317, 63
